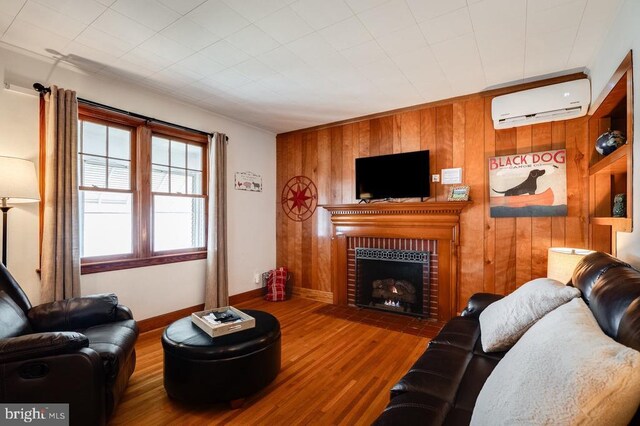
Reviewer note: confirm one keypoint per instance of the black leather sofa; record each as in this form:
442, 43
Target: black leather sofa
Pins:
78, 351
442, 386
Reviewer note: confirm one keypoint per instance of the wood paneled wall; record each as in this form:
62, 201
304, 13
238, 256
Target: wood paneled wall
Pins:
496, 255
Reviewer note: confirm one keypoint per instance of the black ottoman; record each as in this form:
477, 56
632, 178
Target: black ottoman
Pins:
199, 368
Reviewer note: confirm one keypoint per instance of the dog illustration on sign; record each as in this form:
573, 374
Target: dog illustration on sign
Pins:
529, 186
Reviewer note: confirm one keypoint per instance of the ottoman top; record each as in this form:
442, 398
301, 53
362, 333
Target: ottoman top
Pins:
183, 338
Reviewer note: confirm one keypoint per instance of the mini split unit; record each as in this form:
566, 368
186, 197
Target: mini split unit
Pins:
549, 103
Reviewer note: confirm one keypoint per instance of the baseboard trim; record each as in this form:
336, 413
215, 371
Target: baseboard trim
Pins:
317, 295
247, 295
164, 320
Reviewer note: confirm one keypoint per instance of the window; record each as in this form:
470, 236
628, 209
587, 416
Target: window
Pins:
142, 192
178, 200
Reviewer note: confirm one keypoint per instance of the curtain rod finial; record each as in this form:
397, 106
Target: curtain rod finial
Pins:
40, 88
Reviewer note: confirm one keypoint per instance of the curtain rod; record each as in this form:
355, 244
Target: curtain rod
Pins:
42, 90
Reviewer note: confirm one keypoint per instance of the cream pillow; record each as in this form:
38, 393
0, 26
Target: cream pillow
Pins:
563, 371
503, 322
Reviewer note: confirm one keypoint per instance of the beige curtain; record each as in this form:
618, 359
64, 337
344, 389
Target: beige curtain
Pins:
216, 285
60, 263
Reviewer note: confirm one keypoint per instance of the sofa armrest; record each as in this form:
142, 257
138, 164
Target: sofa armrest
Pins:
123, 313
30, 346
76, 378
478, 302
74, 314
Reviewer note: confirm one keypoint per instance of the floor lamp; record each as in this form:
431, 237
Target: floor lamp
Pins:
18, 184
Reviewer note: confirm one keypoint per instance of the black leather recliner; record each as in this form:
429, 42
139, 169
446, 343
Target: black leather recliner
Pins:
78, 351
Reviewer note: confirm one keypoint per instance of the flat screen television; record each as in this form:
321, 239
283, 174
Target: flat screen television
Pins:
403, 175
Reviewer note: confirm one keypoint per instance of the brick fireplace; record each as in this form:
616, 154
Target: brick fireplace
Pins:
426, 285
428, 226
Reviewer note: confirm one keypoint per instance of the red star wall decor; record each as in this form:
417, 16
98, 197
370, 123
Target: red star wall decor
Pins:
299, 198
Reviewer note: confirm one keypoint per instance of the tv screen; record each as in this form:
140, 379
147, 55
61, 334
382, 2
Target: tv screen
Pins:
393, 176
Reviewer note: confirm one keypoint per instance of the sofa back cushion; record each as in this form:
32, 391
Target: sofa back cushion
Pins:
611, 289
13, 321
564, 370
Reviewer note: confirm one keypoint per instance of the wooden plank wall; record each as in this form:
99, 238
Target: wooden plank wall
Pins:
496, 255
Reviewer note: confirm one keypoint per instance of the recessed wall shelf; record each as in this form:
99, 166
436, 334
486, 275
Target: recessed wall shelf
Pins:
612, 174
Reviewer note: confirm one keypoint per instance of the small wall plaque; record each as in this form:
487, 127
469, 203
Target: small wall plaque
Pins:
248, 181
451, 176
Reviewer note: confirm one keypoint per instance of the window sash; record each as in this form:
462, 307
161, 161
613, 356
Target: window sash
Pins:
104, 257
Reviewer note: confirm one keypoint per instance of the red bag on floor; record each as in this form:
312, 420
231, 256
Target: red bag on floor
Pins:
276, 284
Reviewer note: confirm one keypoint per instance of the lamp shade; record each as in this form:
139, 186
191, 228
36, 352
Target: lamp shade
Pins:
562, 261
18, 181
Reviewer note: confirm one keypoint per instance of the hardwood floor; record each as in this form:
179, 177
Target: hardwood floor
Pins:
338, 365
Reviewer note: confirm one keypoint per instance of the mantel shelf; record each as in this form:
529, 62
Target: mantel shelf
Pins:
425, 208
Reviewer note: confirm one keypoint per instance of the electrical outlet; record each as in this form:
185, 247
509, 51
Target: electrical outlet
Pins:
435, 178
256, 277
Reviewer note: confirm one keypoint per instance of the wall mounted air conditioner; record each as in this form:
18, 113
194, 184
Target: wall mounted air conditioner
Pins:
543, 104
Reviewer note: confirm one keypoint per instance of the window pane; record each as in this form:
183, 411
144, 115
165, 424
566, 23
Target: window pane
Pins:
106, 219
159, 178
94, 171
159, 150
178, 223
119, 174
94, 138
194, 157
178, 154
119, 143
178, 181
194, 182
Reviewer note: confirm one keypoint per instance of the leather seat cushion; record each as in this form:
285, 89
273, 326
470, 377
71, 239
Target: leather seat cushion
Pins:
114, 342
414, 408
461, 332
184, 339
437, 372
478, 370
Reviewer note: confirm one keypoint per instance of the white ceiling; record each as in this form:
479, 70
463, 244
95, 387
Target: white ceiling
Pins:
288, 64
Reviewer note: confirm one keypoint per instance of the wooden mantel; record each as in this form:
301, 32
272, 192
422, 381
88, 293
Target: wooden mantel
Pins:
438, 221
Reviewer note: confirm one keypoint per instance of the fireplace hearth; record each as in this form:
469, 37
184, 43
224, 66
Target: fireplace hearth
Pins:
392, 280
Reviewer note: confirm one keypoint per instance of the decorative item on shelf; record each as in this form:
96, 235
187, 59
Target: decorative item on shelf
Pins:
562, 261
609, 141
459, 193
620, 205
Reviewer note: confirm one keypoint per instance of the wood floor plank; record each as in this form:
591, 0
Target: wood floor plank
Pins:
338, 365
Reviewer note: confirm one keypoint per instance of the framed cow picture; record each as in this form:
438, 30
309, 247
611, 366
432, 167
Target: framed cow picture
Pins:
528, 185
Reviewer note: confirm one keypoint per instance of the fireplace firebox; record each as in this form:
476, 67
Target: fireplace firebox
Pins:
392, 280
